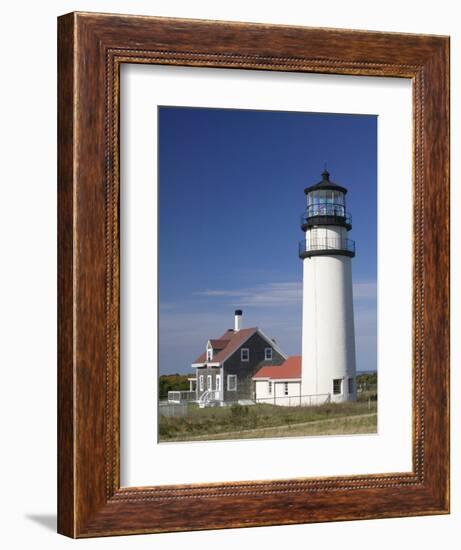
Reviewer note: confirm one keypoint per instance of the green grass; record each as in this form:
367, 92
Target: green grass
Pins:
264, 420
358, 424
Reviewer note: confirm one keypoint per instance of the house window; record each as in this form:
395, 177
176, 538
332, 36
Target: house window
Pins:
209, 354
209, 382
218, 382
269, 388
350, 385
268, 354
232, 382
285, 388
201, 382
337, 386
244, 354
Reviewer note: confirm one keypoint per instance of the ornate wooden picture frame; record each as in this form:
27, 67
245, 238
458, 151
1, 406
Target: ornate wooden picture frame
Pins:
92, 48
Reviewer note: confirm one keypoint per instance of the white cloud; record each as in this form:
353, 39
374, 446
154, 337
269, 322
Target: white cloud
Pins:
280, 294
272, 294
218, 293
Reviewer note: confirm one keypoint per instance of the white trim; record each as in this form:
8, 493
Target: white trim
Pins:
209, 382
342, 386
234, 377
267, 378
272, 344
209, 352
248, 355
201, 382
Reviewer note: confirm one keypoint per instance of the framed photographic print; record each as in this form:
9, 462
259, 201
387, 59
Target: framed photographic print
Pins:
253, 275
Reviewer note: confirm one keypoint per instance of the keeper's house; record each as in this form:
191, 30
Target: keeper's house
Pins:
224, 371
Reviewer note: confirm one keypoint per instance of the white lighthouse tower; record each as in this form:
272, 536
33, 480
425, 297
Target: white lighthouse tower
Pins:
328, 336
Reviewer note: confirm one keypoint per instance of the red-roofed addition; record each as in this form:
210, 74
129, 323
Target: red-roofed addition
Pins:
289, 370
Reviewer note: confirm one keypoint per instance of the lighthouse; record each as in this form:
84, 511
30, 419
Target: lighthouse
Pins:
328, 336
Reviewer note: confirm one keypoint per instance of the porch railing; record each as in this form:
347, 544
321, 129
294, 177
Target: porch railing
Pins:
209, 397
181, 396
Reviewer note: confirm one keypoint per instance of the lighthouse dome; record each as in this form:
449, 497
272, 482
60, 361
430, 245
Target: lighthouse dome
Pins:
325, 184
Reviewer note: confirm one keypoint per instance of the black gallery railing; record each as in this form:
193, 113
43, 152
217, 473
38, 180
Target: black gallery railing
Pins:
325, 244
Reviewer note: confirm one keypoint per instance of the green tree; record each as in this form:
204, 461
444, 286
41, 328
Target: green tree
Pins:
172, 382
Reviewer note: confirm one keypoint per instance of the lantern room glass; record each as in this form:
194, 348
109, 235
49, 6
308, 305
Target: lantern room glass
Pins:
325, 202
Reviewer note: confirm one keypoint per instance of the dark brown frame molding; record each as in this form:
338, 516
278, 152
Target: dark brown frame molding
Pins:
91, 48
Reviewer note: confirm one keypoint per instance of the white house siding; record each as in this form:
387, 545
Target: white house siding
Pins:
278, 397
262, 394
328, 338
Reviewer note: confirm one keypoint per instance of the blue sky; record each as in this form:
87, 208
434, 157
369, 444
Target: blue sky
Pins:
231, 192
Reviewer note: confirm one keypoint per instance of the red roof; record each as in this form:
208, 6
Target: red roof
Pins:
291, 368
219, 344
233, 341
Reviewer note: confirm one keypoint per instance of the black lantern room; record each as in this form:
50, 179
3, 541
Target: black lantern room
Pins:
326, 204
